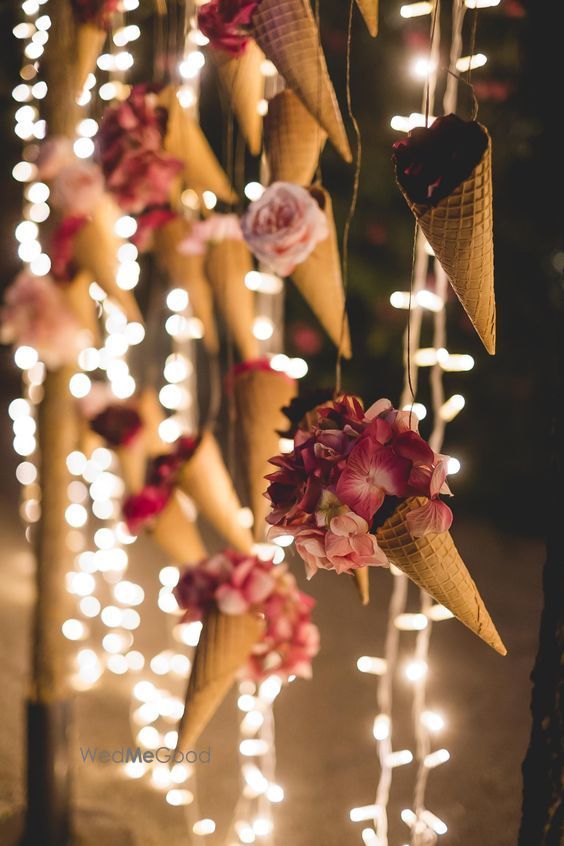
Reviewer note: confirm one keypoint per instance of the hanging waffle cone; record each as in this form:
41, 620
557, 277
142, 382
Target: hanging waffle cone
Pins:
89, 44
286, 32
132, 459
293, 140
362, 581
434, 564
187, 271
152, 414
243, 82
227, 264
460, 231
225, 644
260, 396
82, 305
95, 250
176, 533
320, 283
369, 11
205, 479
186, 141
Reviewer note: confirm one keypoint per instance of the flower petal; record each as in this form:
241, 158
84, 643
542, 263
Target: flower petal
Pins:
435, 517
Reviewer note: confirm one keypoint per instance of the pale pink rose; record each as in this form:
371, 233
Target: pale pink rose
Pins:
284, 226
435, 517
36, 314
217, 228
54, 154
77, 188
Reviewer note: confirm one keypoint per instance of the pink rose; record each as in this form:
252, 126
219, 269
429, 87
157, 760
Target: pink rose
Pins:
54, 154
217, 228
224, 21
284, 226
36, 314
77, 188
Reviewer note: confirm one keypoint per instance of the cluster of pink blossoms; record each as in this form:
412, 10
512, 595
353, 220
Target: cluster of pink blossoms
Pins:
329, 489
235, 583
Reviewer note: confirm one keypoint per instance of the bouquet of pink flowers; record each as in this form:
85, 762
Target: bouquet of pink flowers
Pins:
234, 583
346, 469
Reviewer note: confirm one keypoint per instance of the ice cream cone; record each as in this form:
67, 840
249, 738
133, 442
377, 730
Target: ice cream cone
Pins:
176, 533
82, 304
205, 479
362, 580
186, 141
460, 231
286, 32
187, 271
132, 459
260, 395
243, 82
293, 140
95, 250
225, 644
369, 11
152, 415
89, 44
227, 264
434, 564
320, 282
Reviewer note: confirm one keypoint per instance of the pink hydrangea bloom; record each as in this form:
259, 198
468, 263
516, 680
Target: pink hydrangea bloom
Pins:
284, 226
36, 314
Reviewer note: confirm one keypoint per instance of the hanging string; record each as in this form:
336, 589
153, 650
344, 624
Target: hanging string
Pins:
354, 199
473, 41
436, 7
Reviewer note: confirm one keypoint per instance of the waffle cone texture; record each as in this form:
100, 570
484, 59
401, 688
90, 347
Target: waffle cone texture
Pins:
243, 83
460, 231
434, 564
320, 283
227, 263
286, 32
225, 644
204, 478
260, 396
293, 140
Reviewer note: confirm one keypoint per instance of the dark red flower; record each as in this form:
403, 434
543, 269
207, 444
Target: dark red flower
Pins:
147, 222
431, 163
61, 249
97, 12
141, 508
224, 22
117, 424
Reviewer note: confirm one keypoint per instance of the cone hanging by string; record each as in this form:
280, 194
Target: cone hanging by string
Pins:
89, 44
82, 305
460, 231
186, 141
227, 264
434, 564
176, 533
286, 32
187, 272
243, 82
226, 641
205, 479
369, 11
293, 140
95, 249
362, 581
320, 282
260, 395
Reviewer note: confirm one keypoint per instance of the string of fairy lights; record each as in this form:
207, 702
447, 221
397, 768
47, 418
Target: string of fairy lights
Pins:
424, 826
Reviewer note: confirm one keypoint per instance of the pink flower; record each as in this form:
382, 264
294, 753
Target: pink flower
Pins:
61, 250
77, 188
217, 228
143, 178
224, 22
284, 226
149, 221
36, 314
54, 154
140, 509
250, 583
118, 424
344, 546
435, 517
371, 473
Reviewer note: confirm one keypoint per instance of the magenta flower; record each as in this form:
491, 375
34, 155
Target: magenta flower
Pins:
140, 509
224, 22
